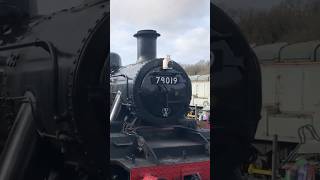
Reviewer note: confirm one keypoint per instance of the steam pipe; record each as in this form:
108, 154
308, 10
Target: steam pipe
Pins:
115, 107
20, 144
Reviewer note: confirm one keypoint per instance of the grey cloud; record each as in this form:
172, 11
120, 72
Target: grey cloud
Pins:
183, 25
168, 13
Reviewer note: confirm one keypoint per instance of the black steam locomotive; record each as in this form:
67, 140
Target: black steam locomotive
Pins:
149, 132
160, 95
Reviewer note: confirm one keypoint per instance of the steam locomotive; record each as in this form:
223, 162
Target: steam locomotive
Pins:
150, 135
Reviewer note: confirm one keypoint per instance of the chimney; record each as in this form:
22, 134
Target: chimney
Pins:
147, 45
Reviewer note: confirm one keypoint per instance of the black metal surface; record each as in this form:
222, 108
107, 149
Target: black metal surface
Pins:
148, 99
157, 146
12, 10
147, 45
236, 91
237, 84
66, 81
51, 50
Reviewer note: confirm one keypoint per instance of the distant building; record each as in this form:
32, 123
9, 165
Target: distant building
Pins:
200, 90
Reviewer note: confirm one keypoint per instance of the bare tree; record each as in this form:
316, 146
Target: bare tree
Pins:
290, 21
202, 67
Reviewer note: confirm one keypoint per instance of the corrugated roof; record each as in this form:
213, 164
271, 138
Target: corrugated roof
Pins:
282, 51
200, 77
269, 52
301, 51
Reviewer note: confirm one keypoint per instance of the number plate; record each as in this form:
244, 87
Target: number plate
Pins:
172, 80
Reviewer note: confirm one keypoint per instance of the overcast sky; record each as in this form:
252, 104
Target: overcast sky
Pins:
184, 26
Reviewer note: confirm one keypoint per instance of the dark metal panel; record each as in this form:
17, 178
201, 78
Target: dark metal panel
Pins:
68, 31
236, 95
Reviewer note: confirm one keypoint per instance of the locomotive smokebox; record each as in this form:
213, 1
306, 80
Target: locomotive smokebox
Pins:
147, 45
12, 11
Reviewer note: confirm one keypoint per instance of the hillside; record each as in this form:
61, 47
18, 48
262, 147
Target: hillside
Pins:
289, 20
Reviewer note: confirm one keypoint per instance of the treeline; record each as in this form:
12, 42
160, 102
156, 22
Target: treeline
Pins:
202, 67
289, 21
